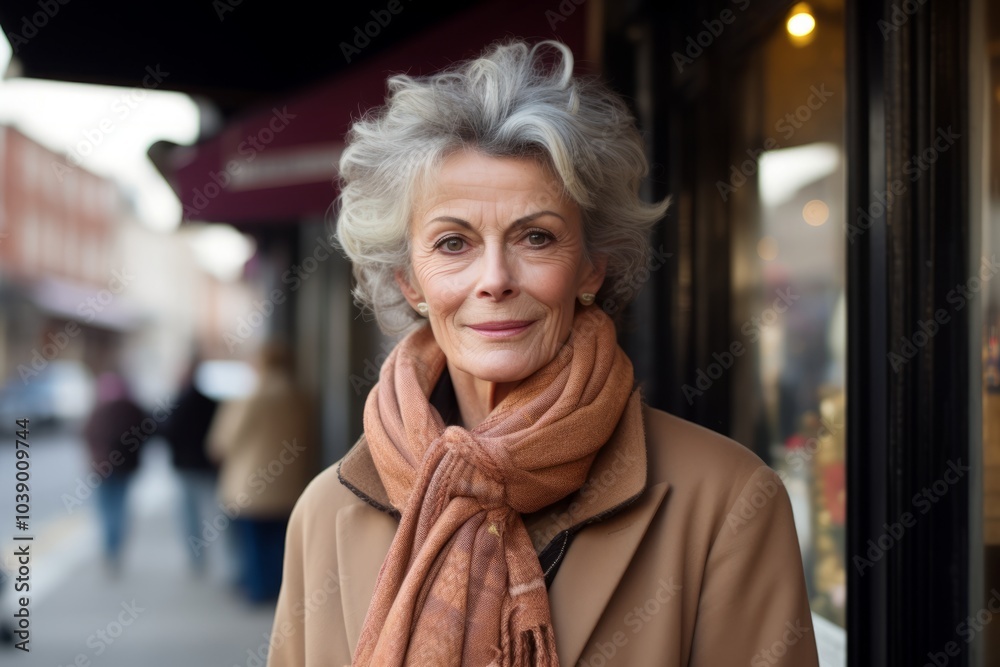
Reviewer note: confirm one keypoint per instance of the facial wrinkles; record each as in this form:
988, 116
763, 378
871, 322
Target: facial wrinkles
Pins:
492, 230
498, 274
497, 263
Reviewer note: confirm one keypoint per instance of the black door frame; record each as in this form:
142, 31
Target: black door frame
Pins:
908, 414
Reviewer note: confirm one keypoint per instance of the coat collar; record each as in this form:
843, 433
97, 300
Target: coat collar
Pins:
615, 496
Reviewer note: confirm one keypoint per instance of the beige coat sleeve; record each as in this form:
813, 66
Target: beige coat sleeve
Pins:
754, 609
308, 624
288, 633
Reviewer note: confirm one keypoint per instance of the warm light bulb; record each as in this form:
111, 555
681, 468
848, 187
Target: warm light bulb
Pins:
801, 22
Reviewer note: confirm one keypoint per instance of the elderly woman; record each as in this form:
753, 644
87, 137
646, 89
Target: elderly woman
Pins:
512, 501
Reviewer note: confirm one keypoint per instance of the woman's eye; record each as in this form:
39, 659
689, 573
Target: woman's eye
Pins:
537, 238
453, 244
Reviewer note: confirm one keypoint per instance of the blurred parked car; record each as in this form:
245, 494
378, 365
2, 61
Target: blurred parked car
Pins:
62, 394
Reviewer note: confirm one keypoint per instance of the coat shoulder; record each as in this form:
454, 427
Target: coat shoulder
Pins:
685, 454
325, 495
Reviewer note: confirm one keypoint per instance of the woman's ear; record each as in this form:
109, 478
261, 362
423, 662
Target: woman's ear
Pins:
410, 293
593, 278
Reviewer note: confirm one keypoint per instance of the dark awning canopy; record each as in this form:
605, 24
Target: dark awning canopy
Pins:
273, 160
235, 53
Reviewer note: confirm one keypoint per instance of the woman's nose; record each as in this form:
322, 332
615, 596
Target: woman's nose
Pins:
497, 279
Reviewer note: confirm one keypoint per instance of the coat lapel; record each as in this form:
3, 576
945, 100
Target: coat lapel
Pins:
364, 535
592, 569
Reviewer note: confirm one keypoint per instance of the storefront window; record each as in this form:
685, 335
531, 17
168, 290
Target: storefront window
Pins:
986, 206
786, 198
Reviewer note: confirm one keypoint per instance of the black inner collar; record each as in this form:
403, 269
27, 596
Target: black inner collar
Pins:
444, 400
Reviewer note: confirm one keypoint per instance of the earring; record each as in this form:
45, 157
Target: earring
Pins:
423, 308
587, 298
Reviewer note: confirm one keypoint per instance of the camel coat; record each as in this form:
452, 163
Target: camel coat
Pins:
679, 550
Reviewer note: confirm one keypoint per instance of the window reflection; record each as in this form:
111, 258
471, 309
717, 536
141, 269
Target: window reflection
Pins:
789, 277
987, 19
802, 353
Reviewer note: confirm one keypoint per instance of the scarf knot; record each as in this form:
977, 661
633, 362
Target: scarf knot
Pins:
466, 469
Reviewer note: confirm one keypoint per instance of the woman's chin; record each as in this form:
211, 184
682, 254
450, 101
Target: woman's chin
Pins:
500, 367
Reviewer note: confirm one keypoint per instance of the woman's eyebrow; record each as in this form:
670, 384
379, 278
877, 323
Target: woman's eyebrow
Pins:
449, 218
531, 217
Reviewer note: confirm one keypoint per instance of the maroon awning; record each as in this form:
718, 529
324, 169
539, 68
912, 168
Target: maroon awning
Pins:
278, 163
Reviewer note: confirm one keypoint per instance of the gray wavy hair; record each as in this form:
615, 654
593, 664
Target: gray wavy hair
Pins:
506, 103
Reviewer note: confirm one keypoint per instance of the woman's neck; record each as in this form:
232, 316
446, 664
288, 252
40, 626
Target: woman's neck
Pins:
476, 398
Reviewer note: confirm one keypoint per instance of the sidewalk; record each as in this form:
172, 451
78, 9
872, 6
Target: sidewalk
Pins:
155, 614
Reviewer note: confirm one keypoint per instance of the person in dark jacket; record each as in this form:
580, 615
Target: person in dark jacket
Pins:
116, 456
185, 431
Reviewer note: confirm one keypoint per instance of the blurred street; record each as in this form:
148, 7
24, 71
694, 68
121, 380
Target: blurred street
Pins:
156, 613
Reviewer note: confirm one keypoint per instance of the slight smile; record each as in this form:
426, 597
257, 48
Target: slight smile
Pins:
505, 329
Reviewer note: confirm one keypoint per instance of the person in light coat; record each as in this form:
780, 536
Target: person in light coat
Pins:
512, 500
265, 448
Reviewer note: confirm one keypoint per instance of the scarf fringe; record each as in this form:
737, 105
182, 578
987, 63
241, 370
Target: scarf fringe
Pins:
535, 647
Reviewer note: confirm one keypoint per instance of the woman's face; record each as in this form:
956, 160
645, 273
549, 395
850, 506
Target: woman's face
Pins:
498, 256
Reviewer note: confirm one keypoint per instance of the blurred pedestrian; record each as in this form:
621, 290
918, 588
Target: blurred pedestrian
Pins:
115, 456
265, 448
186, 431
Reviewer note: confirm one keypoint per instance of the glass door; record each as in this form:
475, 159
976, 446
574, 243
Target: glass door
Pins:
785, 195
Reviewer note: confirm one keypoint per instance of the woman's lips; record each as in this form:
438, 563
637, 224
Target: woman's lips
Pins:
505, 329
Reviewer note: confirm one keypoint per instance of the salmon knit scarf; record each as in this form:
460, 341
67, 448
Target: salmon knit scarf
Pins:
461, 584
